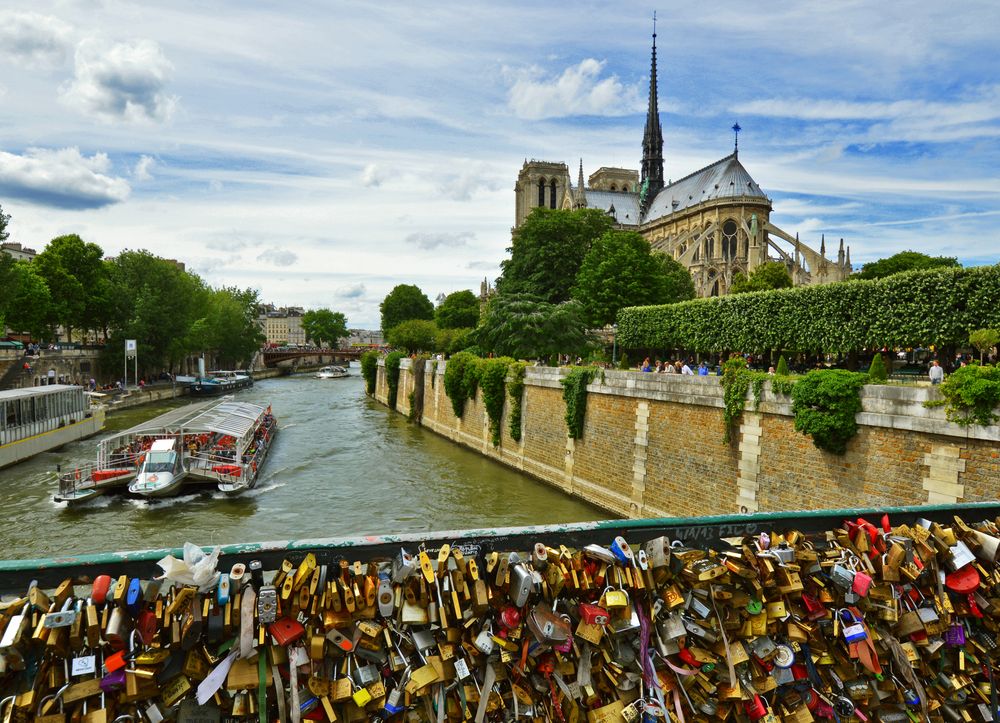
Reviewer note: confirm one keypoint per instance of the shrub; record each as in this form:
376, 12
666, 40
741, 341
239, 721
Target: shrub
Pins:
369, 370
735, 383
972, 394
392, 375
782, 369
877, 373
825, 402
492, 375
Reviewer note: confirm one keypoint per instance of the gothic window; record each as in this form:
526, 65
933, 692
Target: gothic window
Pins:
729, 239
613, 188
710, 246
715, 288
541, 192
552, 198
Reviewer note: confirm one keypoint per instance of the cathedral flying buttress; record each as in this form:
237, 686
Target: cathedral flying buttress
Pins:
715, 221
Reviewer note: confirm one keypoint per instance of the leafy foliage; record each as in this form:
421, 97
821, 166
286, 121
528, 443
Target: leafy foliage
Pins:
4, 219
918, 308
768, 276
680, 285
71, 268
392, 361
369, 370
459, 310
323, 325
413, 335
403, 303
492, 374
524, 327
984, 340
620, 270
905, 261
547, 250
735, 382
25, 300
454, 380
515, 390
782, 369
825, 402
877, 372
451, 341
972, 394
575, 396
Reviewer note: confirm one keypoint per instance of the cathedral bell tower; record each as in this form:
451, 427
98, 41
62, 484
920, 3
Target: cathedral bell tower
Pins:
652, 142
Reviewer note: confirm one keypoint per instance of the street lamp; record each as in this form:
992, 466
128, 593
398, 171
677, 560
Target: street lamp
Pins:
614, 344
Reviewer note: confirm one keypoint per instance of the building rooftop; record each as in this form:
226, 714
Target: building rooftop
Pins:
726, 178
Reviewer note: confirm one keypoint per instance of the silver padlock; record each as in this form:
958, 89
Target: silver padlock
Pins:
484, 641
62, 619
386, 598
657, 552
522, 583
672, 627
961, 556
403, 565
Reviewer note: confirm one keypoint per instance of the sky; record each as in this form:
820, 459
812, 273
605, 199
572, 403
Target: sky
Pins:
324, 152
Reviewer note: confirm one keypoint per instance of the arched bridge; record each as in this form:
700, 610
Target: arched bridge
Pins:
275, 357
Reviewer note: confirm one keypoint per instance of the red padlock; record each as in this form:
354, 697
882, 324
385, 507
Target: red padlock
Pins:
510, 617
146, 625
286, 631
755, 708
594, 614
688, 658
99, 593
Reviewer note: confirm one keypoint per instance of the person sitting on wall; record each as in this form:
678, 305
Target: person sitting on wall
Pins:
936, 373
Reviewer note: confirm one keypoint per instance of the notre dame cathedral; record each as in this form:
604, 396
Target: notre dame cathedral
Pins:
715, 221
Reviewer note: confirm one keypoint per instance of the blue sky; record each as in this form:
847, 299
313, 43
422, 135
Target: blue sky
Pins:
323, 152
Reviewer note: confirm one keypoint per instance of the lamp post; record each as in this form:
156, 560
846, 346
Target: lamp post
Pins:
614, 345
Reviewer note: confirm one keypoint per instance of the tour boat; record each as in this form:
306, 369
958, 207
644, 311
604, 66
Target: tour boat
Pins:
332, 372
38, 419
220, 382
218, 444
162, 470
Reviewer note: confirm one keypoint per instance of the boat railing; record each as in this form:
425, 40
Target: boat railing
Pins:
89, 474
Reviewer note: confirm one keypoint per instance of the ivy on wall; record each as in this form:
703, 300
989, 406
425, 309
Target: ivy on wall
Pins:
392, 375
515, 390
972, 395
492, 376
454, 380
369, 370
575, 396
824, 402
917, 308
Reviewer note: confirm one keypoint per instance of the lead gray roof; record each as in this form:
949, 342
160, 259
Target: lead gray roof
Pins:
726, 178
626, 205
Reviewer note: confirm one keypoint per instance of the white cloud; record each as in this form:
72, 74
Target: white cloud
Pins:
278, 257
351, 291
372, 176
61, 178
142, 169
33, 40
580, 90
429, 241
124, 81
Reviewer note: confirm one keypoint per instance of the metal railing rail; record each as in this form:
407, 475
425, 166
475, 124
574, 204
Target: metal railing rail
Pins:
699, 531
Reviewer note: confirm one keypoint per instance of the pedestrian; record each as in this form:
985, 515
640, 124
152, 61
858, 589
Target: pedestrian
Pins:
703, 370
687, 369
936, 373
645, 365
668, 368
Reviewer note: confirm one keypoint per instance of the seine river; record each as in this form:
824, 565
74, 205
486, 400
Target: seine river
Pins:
340, 465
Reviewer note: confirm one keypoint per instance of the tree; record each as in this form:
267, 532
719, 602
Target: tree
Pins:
323, 325
680, 285
782, 370
72, 269
229, 327
452, 341
4, 219
984, 340
767, 276
403, 303
619, 270
877, 372
413, 335
904, 261
547, 250
459, 310
28, 300
524, 327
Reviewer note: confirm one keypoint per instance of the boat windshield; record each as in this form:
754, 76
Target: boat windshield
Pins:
160, 461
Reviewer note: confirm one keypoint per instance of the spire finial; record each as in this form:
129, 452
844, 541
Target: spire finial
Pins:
651, 178
736, 141
654, 29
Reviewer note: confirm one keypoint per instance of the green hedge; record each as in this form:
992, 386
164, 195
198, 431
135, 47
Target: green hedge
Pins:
918, 308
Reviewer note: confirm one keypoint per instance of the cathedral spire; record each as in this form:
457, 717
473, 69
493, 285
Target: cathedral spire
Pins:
579, 182
652, 140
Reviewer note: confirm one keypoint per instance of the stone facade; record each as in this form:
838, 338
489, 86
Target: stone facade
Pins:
652, 447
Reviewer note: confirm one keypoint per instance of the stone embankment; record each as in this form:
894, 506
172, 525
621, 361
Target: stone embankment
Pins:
652, 446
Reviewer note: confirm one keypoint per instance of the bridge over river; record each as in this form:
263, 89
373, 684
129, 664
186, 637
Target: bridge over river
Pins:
294, 357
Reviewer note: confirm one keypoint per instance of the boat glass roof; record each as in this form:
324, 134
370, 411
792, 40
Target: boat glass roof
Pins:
225, 417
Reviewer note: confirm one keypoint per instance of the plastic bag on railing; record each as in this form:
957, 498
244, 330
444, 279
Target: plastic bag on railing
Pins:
197, 567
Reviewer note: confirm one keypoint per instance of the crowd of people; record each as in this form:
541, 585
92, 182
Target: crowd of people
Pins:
680, 366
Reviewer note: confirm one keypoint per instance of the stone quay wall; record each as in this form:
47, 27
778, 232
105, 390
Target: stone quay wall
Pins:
652, 446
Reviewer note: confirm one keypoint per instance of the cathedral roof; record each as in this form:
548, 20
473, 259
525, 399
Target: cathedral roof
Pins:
626, 205
726, 178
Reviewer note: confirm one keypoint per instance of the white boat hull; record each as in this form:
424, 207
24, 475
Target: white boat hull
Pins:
159, 484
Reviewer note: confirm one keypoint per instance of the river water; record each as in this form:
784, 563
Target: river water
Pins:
341, 464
